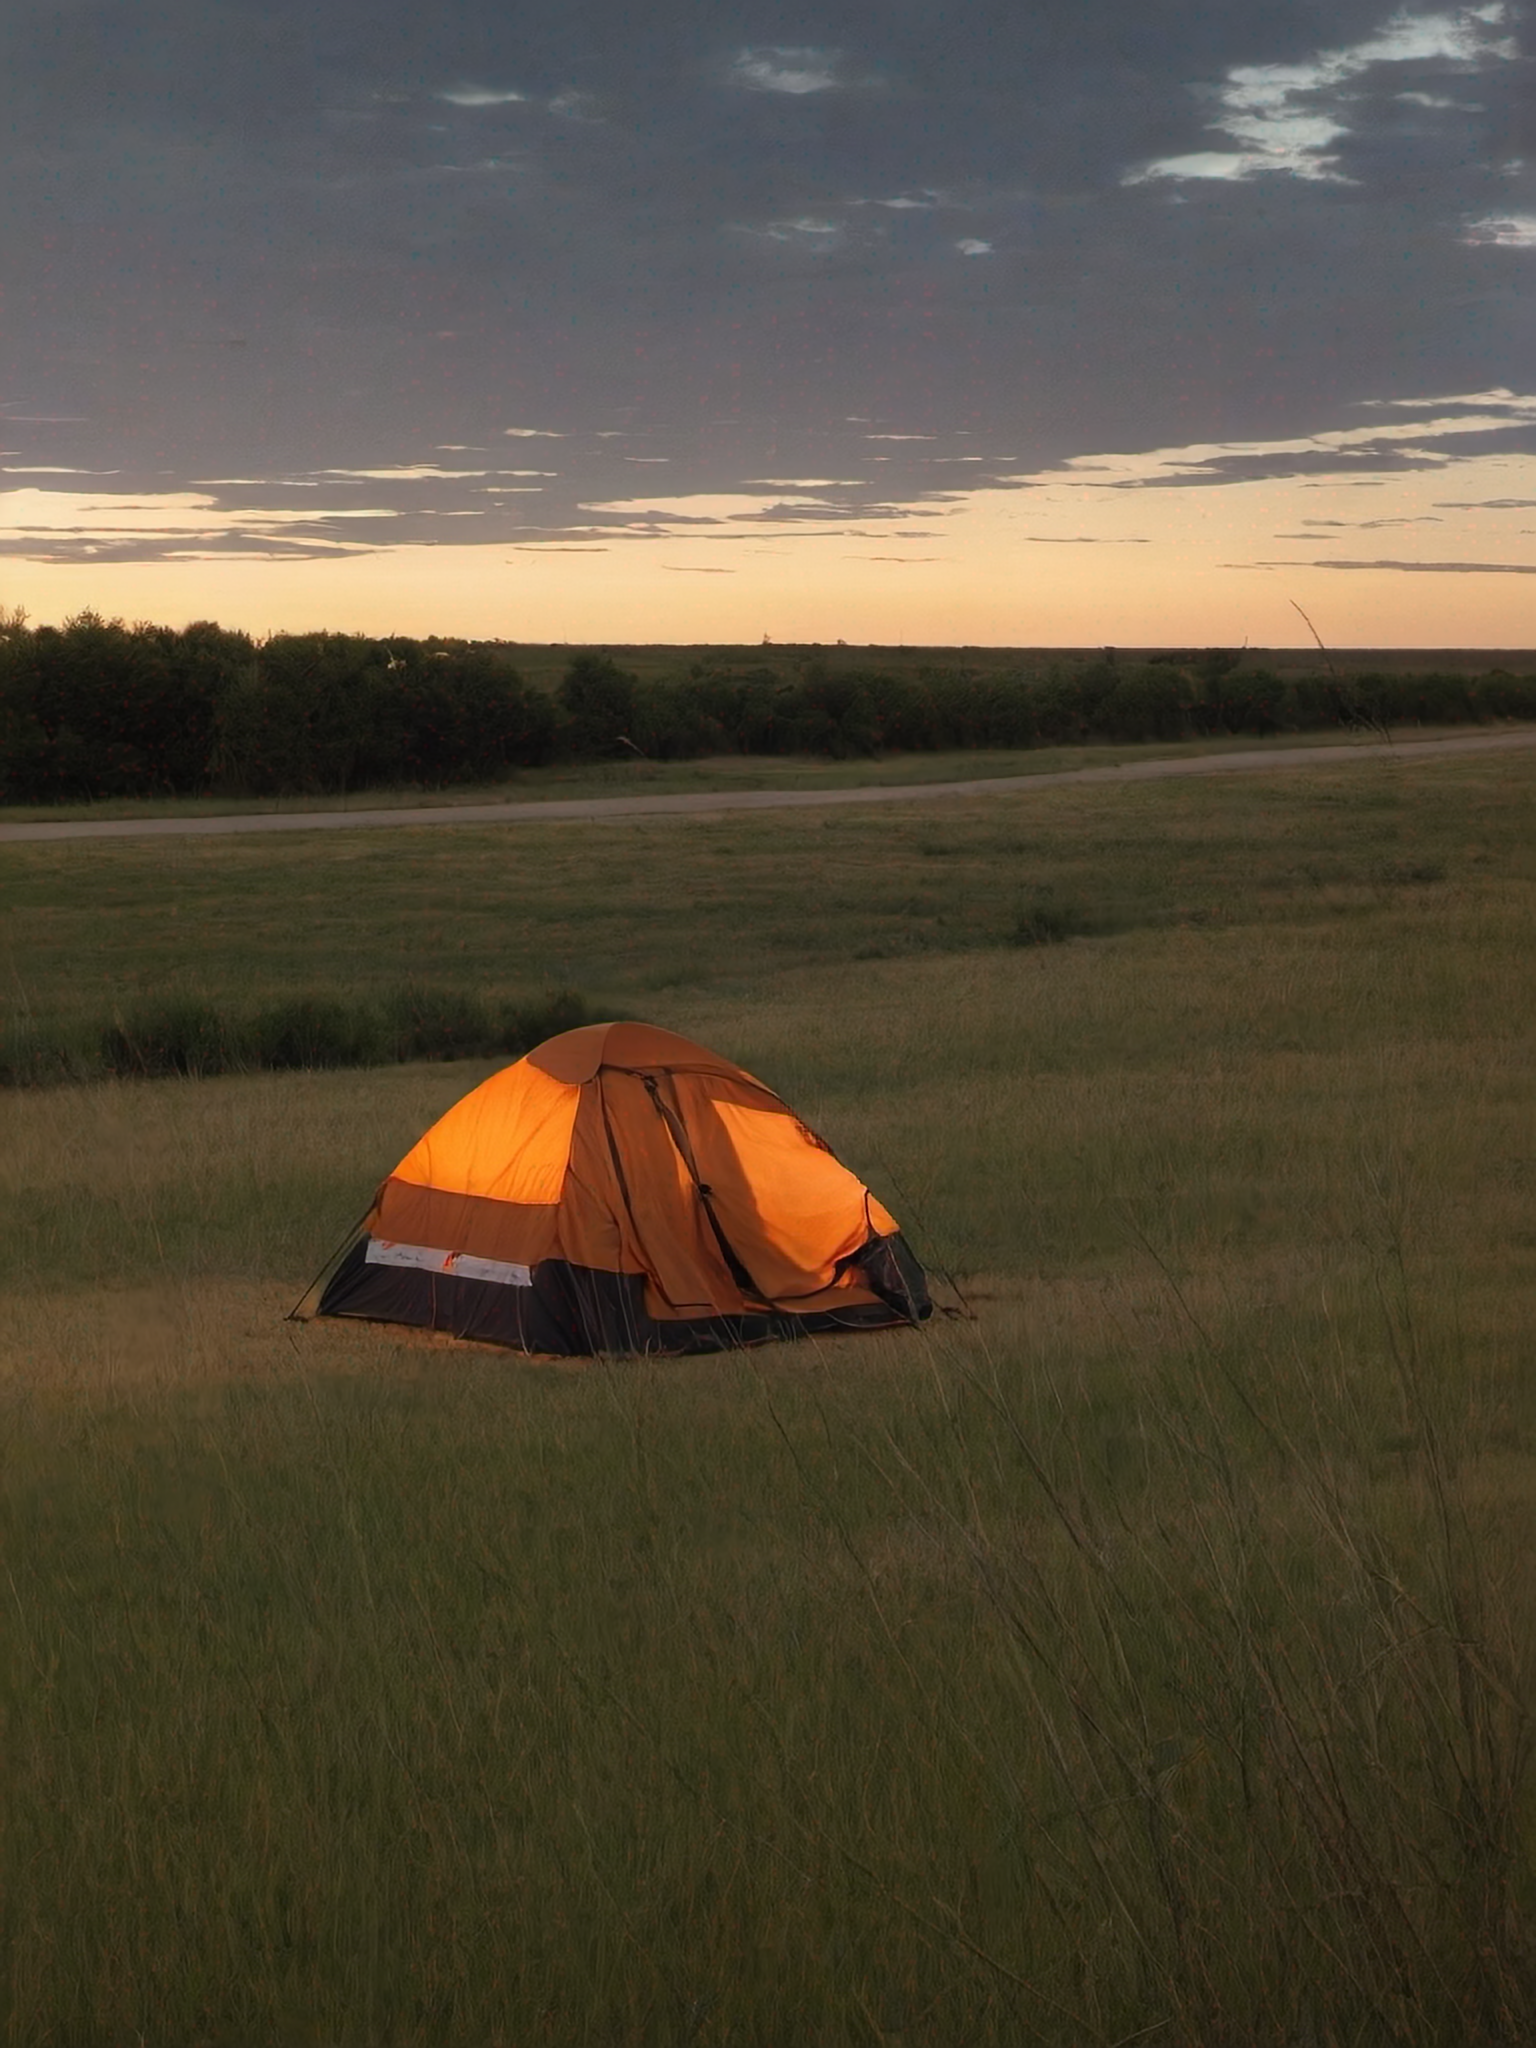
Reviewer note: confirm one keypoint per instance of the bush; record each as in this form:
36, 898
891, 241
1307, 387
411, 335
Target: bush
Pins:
598, 699
34, 1055
1501, 695
188, 1037
523, 1029
450, 1024
319, 712
182, 1037
98, 709
837, 714
1147, 704
435, 1024
1045, 922
465, 715
310, 1032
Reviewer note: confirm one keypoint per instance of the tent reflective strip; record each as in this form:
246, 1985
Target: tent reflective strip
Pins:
458, 1265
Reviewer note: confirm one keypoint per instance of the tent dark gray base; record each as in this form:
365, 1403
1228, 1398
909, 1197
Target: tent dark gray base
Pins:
578, 1311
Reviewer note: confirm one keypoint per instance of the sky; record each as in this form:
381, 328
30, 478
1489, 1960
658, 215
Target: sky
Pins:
1012, 322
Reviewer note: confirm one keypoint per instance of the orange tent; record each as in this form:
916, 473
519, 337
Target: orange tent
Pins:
621, 1189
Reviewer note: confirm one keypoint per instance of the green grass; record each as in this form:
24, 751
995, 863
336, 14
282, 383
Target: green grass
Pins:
633, 909
1145, 1657
545, 665
945, 1696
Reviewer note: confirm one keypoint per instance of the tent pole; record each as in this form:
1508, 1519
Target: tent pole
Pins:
293, 1315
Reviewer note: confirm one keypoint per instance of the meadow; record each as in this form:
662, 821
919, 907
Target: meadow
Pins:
1143, 1652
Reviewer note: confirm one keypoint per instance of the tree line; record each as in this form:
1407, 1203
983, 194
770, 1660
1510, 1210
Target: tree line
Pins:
97, 708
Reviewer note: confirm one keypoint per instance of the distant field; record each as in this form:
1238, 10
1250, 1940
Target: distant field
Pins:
1145, 1657
545, 664
627, 910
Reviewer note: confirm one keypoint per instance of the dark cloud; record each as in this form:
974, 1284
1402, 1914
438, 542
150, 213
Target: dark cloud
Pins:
1318, 526
1407, 568
268, 240
1257, 466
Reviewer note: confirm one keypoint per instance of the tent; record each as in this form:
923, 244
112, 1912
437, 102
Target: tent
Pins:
620, 1189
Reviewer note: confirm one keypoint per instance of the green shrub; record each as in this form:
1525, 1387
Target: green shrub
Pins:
310, 1032
1502, 695
598, 699
37, 1055
97, 708
1046, 922
182, 1037
438, 1024
453, 1024
524, 1028
193, 1038
100, 709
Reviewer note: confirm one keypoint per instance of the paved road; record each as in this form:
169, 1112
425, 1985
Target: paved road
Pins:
695, 803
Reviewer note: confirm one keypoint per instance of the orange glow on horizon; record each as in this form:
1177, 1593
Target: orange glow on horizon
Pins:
1071, 560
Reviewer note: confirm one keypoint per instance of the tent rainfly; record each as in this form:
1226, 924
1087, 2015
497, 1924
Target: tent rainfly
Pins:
622, 1190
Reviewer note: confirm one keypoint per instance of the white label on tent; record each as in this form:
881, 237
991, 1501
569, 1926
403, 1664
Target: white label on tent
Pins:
382, 1251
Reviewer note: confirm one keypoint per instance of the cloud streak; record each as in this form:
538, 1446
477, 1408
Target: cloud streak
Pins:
1450, 430
1287, 119
797, 71
481, 96
1405, 568
77, 526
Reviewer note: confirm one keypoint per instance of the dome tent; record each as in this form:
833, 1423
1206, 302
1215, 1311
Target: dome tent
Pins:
620, 1189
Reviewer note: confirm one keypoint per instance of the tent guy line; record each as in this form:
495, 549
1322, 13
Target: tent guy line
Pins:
702, 802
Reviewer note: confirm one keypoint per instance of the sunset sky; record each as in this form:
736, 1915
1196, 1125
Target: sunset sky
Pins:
1059, 323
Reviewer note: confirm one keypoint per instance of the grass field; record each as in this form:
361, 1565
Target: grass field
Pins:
1146, 1657
545, 665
